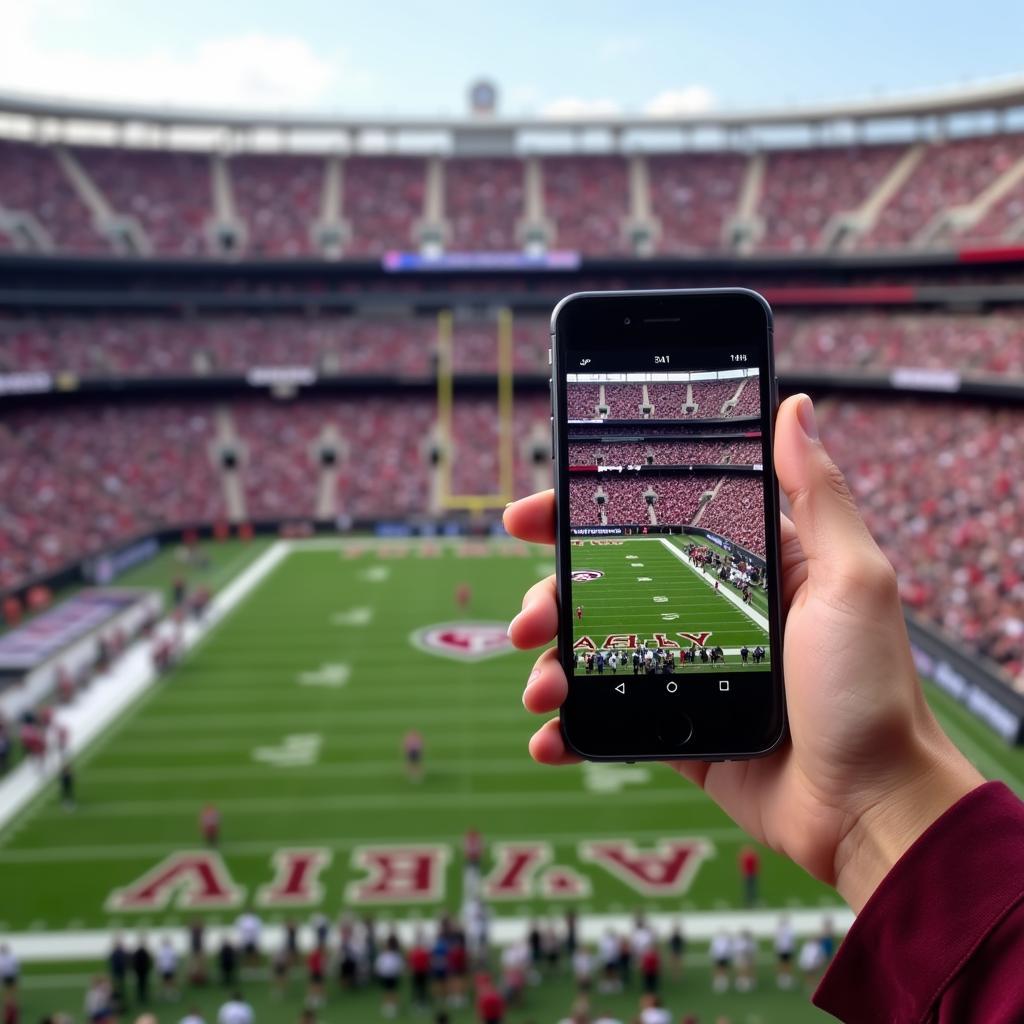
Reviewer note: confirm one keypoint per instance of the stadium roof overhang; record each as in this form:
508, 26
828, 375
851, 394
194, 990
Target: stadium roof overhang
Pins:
991, 96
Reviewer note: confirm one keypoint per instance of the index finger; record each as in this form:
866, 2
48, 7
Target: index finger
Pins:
532, 518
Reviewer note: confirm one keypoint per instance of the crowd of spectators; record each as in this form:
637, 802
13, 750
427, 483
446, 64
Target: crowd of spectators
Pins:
279, 200
804, 189
663, 453
737, 512
950, 174
168, 193
939, 487
679, 497
144, 345
693, 197
586, 198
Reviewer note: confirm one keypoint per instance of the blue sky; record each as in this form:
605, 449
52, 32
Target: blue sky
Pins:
417, 56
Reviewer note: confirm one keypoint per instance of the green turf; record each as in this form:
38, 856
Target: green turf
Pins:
192, 738
646, 591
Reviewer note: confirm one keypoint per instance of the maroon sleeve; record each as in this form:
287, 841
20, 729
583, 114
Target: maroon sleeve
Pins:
942, 937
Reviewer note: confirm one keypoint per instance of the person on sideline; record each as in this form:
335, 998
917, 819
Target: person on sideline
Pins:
867, 793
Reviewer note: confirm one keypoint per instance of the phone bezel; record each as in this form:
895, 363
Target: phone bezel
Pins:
592, 718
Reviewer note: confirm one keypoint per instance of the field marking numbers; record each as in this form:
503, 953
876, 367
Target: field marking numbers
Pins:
375, 574
600, 777
332, 675
353, 617
644, 579
295, 751
660, 599
669, 616
638, 565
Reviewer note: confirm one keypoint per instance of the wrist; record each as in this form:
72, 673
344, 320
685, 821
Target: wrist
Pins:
935, 778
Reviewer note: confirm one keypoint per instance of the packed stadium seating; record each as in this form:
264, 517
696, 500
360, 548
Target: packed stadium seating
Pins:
693, 198
737, 512
168, 194
625, 502
278, 198
663, 453
804, 189
939, 487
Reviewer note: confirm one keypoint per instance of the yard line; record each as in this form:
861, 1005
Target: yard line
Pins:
372, 801
345, 769
752, 614
154, 722
253, 847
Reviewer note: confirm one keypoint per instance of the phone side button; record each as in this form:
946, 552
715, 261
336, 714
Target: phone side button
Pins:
552, 437
675, 732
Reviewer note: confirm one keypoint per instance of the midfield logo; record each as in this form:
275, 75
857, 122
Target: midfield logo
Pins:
586, 575
463, 641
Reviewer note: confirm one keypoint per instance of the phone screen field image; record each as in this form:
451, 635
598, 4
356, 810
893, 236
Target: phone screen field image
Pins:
667, 522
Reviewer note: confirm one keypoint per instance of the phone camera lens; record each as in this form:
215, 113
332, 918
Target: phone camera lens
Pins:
627, 321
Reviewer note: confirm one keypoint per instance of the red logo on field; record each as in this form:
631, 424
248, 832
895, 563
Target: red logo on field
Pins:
586, 575
399, 874
464, 641
195, 881
666, 870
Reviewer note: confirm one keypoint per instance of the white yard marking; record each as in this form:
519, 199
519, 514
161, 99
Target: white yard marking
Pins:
353, 617
599, 777
638, 565
660, 599
726, 591
669, 616
375, 574
644, 579
331, 675
294, 751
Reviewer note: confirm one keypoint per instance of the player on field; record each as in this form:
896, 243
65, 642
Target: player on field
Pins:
463, 595
744, 653
579, 613
613, 662
745, 953
167, 966
721, 956
785, 944
412, 746
388, 968
209, 825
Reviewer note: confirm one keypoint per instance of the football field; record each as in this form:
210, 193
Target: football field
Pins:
644, 591
290, 718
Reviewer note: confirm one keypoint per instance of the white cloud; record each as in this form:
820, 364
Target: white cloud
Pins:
692, 99
574, 106
253, 70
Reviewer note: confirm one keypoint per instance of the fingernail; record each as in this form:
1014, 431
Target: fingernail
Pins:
508, 632
805, 414
509, 504
534, 676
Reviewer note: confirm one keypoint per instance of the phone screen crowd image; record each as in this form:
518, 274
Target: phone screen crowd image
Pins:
667, 519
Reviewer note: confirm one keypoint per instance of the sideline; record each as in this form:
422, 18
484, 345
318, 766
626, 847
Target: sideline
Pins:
52, 947
111, 693
751, 613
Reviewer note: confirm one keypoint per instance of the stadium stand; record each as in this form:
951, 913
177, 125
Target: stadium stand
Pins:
33, 184
168, 194
484, 203
663, 453
938, 488
804, 189
692, 198
278, 199
950, 174
737, 512
382, 199
586, 198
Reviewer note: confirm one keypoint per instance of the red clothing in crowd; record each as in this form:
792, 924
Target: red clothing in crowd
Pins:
490, 1007
419, 960
941, 941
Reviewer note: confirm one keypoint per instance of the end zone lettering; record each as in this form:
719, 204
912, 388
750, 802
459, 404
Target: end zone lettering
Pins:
632, 641
411, 874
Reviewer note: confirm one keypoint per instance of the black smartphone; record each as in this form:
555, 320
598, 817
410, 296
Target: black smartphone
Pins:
667, 534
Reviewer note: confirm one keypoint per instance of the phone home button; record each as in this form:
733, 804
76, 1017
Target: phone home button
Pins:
676, 732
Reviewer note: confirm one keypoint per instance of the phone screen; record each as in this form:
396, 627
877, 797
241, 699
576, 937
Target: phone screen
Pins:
672, 591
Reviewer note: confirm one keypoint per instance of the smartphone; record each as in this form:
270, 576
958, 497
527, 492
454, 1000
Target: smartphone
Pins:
667, 539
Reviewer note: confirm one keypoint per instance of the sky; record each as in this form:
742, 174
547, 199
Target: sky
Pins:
417, 57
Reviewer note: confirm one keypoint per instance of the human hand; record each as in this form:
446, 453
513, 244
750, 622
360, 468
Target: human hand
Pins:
866, 768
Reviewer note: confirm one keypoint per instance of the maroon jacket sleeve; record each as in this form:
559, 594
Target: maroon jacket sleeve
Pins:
942, 938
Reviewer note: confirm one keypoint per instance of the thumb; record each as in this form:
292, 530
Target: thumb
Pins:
831, 531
